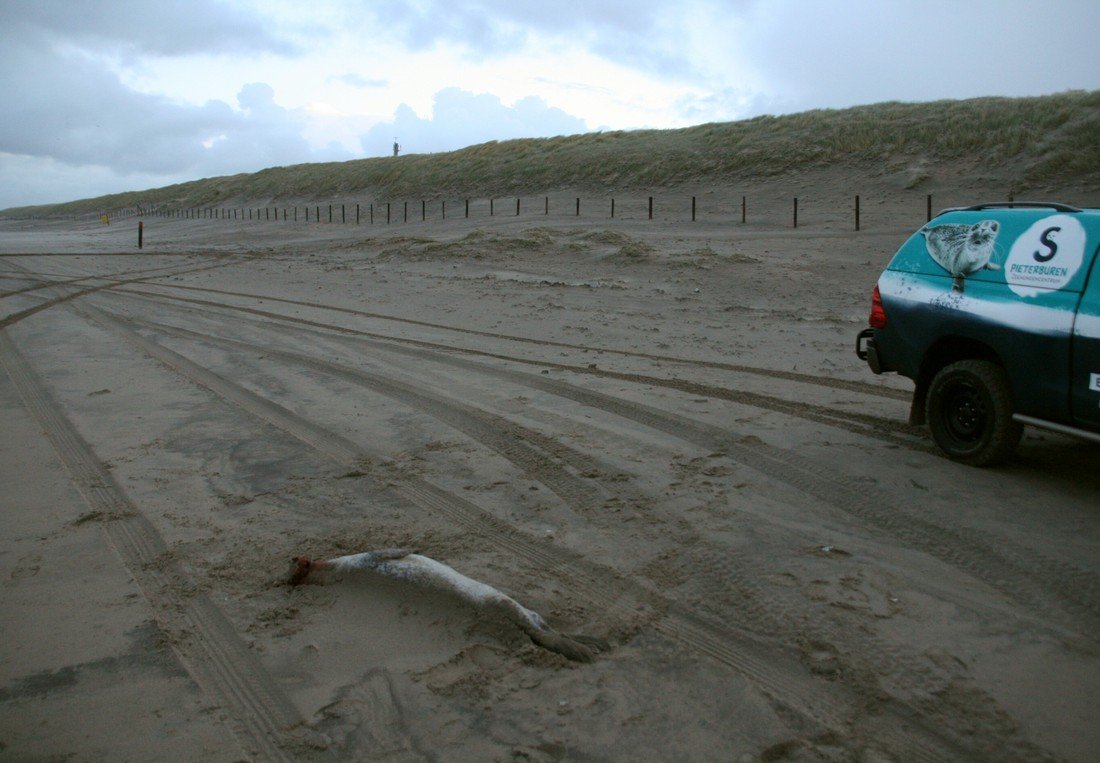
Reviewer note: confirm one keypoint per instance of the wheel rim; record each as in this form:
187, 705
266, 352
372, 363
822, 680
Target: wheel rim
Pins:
965, 413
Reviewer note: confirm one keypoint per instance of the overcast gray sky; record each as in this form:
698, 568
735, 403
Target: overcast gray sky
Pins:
111, 95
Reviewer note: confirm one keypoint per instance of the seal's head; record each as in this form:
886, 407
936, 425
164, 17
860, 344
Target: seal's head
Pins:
300, 567
983, 233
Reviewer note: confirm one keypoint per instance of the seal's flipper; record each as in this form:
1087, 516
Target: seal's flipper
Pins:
575, 648
958, 285
593, 643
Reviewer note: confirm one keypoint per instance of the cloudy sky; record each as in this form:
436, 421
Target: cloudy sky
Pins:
102, 96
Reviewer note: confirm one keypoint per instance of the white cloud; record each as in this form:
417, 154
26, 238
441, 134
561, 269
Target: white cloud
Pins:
357, 80
27, 180
815, 54
146, 89
459, 119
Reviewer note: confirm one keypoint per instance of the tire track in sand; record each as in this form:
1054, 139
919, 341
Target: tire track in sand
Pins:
825, 710
264, 721
715, 575
1025, 576
844, 384
539, 457
894, 433
45, 281
17, 316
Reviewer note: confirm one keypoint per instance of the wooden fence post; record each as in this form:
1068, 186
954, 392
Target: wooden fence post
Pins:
357, 214
578, 207
857, 211
650, 207
743, 208
423, 210
929, 207
693, 209
517, 207
406, 212
467, 209
546, 205
796, 211
343, 214
612, 208
490, 207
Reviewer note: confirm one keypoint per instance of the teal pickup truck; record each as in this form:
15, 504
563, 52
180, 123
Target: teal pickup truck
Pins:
994, 311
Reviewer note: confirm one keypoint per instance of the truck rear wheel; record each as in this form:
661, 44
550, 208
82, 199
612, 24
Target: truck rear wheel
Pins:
969, 408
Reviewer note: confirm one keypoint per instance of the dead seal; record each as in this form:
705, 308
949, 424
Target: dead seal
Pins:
962, 250
408, 566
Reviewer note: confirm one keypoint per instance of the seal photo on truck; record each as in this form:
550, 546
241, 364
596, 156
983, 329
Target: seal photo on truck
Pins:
994, 312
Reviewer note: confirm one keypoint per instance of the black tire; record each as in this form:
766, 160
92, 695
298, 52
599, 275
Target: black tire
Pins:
969, 407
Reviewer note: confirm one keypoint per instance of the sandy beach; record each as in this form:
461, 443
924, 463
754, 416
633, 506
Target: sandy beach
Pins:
653, 432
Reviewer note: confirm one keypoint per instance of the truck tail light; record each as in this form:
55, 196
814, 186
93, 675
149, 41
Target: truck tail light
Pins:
877, 319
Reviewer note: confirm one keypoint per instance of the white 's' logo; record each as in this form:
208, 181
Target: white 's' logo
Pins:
1046, 256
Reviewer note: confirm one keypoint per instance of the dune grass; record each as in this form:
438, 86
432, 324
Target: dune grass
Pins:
1043, 138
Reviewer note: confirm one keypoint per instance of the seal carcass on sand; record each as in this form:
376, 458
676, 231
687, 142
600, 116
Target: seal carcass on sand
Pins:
408, 566
962, 249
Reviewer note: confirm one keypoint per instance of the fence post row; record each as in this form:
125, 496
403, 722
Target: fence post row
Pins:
220, 213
